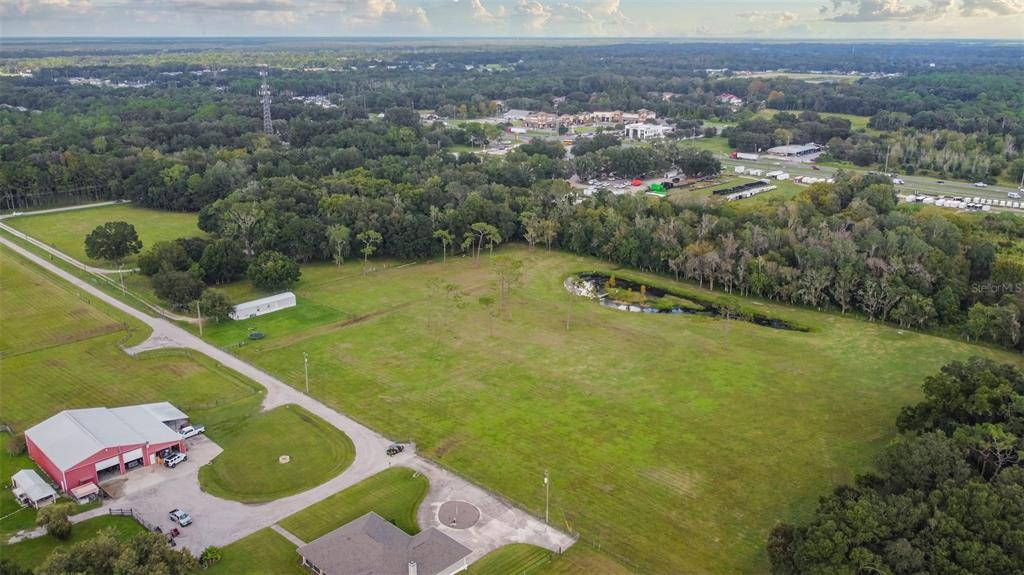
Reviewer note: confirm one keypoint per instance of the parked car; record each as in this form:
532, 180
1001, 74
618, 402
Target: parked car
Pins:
180, 517
1013, 195
175, 459
980, 185
940, 181
191, 431
395, 449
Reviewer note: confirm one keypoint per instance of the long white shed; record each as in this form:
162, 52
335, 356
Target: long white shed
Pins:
263, 306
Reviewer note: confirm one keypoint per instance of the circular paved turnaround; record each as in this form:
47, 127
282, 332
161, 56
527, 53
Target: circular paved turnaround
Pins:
458, 514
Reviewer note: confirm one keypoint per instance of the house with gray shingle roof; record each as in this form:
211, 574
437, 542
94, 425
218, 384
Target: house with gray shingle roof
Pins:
371, 545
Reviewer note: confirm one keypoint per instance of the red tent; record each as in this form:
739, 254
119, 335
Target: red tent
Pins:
638, 182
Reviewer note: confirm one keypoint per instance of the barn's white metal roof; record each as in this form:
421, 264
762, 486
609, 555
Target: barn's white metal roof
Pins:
32, 485
163, 411
284, 296
73, 436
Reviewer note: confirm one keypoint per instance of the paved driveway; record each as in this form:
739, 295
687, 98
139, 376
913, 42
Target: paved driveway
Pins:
217, 521
220, 522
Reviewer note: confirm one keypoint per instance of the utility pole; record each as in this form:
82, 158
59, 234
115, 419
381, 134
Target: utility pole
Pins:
887, 150
547, 496
568, 313
199, 316
305, 366
120, 272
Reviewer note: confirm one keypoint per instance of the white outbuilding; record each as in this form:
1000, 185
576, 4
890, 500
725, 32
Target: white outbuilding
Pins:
31, 489
263, 306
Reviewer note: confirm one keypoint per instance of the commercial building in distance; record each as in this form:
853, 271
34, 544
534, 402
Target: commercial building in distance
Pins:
795, 150
646, 131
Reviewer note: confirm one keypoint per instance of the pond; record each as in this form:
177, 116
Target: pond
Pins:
628, 295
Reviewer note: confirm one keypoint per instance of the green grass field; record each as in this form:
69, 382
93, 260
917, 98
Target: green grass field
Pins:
249, 470
514, 559
717, 144
857, 123
394, 494
13, 517
785, 190
263, 553
31, 553
688, 434
55, 359
67, 230
811, 78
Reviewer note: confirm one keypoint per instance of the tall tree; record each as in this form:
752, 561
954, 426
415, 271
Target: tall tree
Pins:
370, 240
274, 271
339, 237
446, 240
113, 241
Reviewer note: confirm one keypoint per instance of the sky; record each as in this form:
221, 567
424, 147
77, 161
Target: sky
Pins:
790, 19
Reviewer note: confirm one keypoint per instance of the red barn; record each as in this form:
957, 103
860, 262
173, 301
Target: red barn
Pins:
81, 446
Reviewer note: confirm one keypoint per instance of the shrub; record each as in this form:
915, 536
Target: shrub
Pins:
16, 444
55, 519
274, 271
210, 556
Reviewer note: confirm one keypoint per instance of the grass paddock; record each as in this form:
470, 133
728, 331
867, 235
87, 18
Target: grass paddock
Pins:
67, 230
674, 443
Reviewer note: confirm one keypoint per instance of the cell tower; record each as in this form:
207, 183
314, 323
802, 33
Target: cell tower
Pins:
268, 124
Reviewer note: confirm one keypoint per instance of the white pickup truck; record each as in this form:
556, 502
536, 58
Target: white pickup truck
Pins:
180, 517
191, 431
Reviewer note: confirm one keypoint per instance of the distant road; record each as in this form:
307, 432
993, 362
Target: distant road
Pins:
50, 249
915, 184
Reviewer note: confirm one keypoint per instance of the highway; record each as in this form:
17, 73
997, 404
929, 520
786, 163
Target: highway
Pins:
915, 184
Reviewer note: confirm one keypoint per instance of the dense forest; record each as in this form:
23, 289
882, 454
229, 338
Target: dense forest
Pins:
947, 497
189, 138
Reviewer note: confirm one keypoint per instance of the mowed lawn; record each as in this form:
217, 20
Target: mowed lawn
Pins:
67, 230
31, 553
13, 517
265, 552
674, 443
60, 351
394, 494
517, 558
249, 471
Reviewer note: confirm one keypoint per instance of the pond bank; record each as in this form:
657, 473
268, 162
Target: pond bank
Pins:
639, 297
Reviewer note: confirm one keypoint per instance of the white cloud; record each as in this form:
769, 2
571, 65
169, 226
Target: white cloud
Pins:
993, 8
530, 14
879, 18
770, 18
919, 10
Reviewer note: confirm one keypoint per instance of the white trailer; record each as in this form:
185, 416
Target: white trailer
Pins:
263, 306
